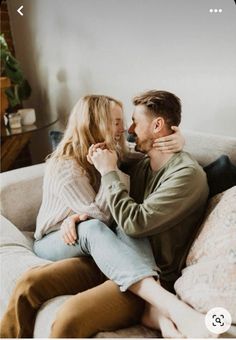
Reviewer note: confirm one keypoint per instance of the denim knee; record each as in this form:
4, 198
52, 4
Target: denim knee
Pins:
88, 233
90, 227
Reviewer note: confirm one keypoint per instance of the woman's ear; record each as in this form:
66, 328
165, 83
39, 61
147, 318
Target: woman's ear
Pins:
158, 124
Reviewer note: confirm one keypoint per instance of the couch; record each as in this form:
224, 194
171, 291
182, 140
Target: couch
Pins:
209, 279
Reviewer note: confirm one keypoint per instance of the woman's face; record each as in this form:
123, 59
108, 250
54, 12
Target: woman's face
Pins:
117, 121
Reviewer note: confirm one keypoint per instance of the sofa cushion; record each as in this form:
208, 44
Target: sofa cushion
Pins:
21, 195
16, 257
209, 279
12, 236
46, 316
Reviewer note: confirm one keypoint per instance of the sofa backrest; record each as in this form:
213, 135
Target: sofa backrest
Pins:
21, 195
206, 148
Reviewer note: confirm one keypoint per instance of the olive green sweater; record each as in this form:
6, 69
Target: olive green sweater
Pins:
164, 205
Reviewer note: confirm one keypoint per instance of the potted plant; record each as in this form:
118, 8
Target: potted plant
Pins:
14, 87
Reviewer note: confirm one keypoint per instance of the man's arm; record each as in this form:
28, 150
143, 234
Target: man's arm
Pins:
174, 199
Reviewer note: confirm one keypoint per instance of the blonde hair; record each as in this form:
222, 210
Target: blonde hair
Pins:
90, 122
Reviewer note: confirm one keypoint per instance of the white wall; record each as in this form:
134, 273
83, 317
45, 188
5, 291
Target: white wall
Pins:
121, 47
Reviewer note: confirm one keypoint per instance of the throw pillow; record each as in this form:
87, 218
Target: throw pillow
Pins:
221, 175
209, 279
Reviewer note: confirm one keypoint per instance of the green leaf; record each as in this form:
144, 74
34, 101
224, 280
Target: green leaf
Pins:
13, 70
20, 89
13, 100
15, 76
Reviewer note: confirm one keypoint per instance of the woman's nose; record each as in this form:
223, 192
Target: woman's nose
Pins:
122, 129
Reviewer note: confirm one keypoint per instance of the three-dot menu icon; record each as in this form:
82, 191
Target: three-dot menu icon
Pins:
215, 10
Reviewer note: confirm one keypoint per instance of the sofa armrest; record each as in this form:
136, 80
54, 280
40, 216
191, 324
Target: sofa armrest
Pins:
21, 195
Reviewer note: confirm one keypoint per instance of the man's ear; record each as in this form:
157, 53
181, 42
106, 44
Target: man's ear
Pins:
158, 124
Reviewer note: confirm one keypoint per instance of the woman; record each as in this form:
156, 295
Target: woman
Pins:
72, 186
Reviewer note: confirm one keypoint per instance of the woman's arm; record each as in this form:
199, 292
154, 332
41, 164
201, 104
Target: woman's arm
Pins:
172, 143
78, 195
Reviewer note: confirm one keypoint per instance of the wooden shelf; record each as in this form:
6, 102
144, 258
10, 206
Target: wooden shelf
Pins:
11, 147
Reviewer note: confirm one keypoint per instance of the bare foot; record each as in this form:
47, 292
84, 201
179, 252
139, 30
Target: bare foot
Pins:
152, 318
189, 322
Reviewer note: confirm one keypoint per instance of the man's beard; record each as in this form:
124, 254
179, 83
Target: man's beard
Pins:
143, 146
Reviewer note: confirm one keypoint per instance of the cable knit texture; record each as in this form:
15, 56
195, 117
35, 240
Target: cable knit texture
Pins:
66, 191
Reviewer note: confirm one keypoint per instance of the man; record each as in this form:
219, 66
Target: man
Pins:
167, 199
168, 191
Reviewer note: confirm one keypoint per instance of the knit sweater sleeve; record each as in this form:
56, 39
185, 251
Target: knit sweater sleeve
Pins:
78, 195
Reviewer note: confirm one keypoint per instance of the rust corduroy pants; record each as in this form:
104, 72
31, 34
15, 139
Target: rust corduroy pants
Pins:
96, 305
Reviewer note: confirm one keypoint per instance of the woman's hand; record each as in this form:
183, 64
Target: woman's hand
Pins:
172, 143
93, 148
68, 228
104, 160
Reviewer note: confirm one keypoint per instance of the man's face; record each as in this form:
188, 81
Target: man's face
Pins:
142, 129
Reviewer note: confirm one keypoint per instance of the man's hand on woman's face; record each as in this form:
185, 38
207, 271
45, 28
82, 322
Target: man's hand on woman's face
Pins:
172, 143
68, 228
104, 160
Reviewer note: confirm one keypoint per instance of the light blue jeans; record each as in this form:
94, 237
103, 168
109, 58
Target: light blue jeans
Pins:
123, 259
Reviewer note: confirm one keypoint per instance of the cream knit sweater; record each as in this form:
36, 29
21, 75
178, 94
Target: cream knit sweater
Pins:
66, 190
